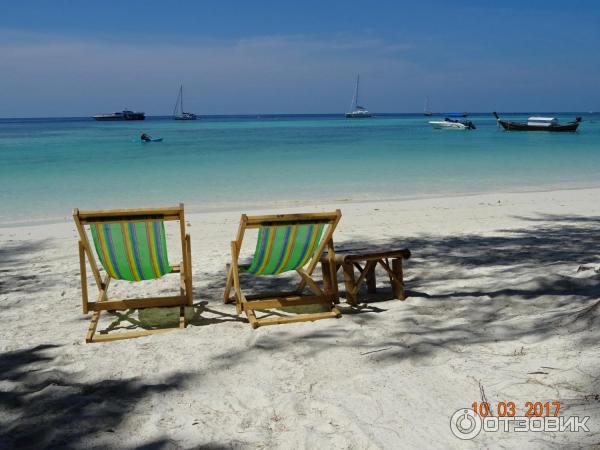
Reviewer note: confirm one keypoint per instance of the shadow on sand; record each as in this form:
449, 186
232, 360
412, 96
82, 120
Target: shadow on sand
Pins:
43, 407
546, 270
15, 267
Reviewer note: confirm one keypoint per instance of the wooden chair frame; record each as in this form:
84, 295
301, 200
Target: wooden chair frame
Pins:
103, 303
249, 303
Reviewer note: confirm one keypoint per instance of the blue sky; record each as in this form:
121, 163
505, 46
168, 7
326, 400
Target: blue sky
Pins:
241, 57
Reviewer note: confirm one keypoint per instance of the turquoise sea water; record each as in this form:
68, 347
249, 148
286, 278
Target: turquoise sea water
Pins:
49, 166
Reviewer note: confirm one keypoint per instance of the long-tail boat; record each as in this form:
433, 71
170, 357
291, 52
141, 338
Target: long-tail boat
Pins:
535, 123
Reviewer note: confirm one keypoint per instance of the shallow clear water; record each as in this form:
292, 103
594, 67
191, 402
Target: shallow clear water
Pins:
49, 166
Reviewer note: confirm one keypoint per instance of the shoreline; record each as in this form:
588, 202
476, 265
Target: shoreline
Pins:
319, 203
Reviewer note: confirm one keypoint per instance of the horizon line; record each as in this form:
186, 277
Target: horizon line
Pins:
311, 114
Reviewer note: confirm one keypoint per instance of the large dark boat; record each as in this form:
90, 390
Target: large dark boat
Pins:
123, 115
535, 123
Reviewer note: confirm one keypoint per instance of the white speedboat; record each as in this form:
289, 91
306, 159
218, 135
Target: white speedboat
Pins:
450, 124
357, 111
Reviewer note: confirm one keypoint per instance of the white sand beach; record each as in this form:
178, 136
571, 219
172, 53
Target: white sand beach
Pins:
503, 304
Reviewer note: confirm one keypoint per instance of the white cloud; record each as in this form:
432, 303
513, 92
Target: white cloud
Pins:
54, 75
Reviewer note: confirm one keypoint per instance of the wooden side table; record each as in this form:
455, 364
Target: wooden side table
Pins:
348, 260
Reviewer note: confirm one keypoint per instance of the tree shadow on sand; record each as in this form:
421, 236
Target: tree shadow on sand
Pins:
546, 270
44, 408
552, 243
15, 263
499, 276
166, 318
484, 285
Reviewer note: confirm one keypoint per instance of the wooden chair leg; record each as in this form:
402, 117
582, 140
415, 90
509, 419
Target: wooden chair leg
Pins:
181, 317
350, 283
235, 276
398, 282
92, 328
330, 281
254, 323
188, 272
326, 271
83, 272
102, 296
228, 285
182, 281
333, 267
310, 282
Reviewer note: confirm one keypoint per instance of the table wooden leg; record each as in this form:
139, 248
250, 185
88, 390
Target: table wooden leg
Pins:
371, 280
350, 283
398, 284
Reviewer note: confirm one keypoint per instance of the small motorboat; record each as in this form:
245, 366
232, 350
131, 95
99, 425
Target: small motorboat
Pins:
536, 123
452, 124
152, 140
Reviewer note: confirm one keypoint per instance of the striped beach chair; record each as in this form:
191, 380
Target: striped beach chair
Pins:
130, 245
286, 242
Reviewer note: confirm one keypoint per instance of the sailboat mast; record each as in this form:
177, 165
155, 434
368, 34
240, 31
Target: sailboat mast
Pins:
356, 93
355, 97
181, 96
175, 109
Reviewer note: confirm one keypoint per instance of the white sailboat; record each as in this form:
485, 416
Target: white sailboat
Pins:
178, 113
357, 111
426, 110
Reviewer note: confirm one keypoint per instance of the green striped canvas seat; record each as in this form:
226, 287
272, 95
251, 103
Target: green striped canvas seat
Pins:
284, 247
132, 251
